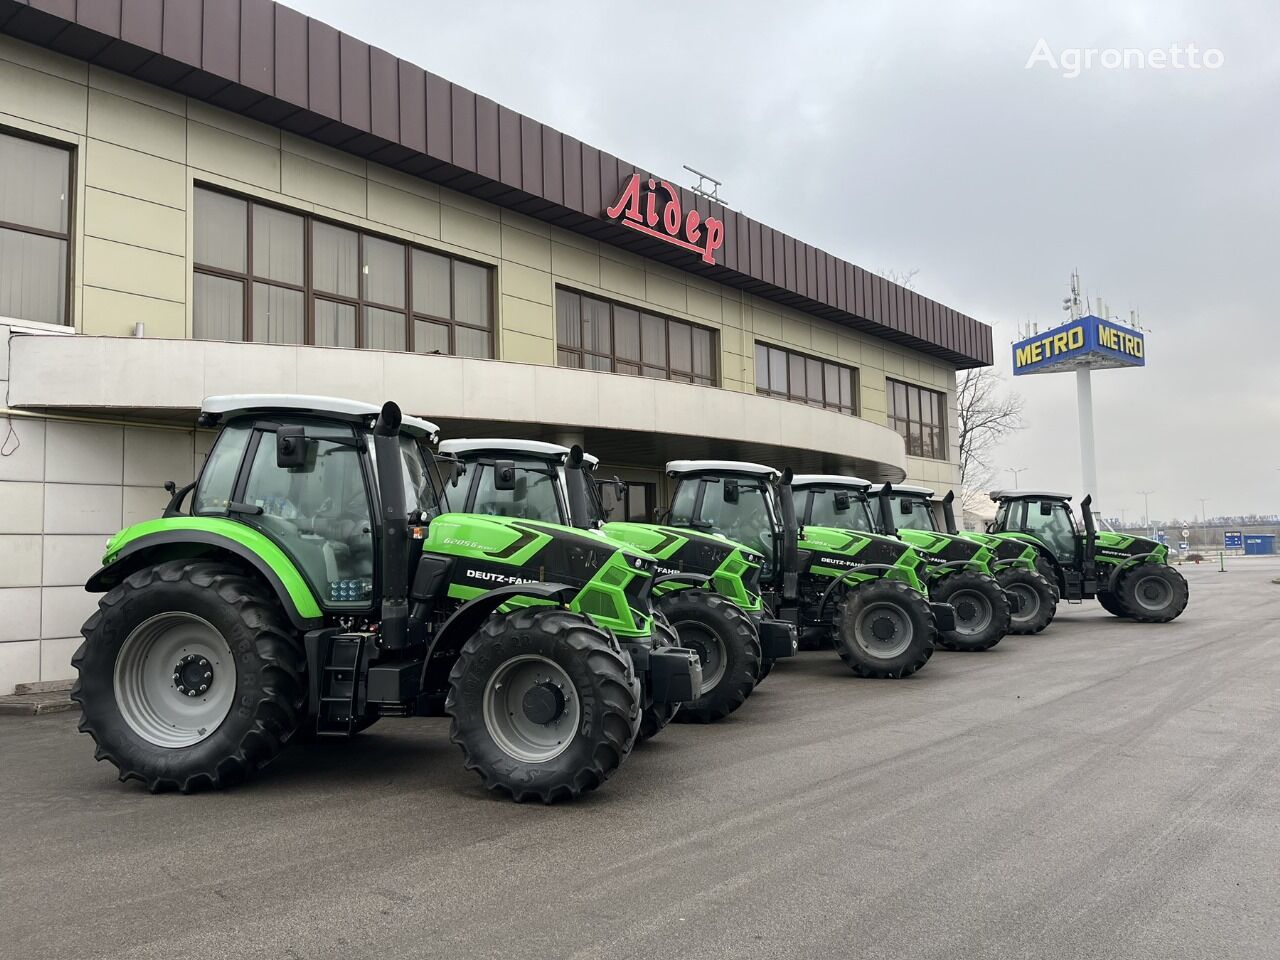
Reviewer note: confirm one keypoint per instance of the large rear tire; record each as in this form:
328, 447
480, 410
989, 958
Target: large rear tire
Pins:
1153, 592
1033, 601
982, 610
884, 629
190, 676
726, 643
544, 705
1111, 603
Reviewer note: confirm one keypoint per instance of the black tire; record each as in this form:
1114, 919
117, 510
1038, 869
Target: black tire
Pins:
766, 668
268, 672
1033, 600
723, 634
982, 610
901, 611
1050, 574
655, 716
605, 686
1153, 592
1111, 603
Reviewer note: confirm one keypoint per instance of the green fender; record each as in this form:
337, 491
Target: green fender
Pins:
154, 541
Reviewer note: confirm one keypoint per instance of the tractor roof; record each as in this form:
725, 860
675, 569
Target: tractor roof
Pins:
536, 448
829, 480
677, 468
999, 495
911, 491
235, 404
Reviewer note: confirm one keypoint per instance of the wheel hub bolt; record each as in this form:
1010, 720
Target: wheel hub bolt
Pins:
193, 675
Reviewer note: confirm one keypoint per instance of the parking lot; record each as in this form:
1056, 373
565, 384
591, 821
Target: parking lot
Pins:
1107, 789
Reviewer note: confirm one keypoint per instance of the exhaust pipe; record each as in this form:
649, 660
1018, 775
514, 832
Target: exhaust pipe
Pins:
394, 549
888, 525
576, 481
1090, 529
949, 513
790, 539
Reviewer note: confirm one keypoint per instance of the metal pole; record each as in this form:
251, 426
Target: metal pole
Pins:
1088, 463
1146, 512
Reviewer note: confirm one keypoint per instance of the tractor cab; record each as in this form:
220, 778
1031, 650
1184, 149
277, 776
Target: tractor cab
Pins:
1046, 519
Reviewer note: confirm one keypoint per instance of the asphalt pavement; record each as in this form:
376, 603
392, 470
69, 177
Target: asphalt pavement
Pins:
1104, 790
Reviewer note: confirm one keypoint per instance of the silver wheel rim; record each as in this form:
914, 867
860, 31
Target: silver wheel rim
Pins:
1152, 593
884, 630
531, 709
159, 673
1028, 602
711, 651
978, 610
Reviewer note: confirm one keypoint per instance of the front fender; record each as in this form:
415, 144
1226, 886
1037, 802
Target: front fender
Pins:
176, 538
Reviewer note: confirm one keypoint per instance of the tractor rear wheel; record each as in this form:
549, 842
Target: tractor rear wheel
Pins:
982, 610
884, 629
1152, 592
726, 643
190, 676
766, 668
1046, 570
1111, 603
657, 715
1032, 600
543, 704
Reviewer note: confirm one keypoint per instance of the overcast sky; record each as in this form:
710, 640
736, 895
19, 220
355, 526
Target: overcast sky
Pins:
913, 136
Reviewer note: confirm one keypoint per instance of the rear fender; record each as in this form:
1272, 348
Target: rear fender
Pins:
854, 577
1114, 578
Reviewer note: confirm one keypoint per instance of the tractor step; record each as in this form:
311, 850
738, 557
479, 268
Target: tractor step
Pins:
338, 705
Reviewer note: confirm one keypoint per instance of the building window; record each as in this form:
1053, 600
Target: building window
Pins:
920, 417
35, 231
271, 276
596, 334
793, 376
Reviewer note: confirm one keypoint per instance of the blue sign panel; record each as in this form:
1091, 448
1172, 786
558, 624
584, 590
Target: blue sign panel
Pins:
1087, 342
1233, 540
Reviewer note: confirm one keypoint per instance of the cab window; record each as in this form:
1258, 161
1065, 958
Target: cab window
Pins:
534, 496
920, 516
840, 510
317, 513
745, 517
218, 478
1052, 522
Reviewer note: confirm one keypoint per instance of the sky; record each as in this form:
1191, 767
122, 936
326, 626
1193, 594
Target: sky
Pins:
916, 136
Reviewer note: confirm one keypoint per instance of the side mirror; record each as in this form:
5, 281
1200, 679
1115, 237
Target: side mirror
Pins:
990, 526
291, 448
731, 491
504, 475
904, 506
841, 502
1046, 508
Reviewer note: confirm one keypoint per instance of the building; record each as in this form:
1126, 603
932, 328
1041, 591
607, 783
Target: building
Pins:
201, 197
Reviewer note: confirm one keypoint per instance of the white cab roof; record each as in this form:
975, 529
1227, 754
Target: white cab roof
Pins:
236, 403
677, 467
913, 491
1015, 494
829, 480
538, 448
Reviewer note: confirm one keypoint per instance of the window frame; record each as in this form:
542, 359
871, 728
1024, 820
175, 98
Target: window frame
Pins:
311, 293
672, 373
904, 423
790, 359
68, 282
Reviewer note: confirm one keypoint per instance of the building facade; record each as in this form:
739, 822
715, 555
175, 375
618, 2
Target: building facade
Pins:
201, 197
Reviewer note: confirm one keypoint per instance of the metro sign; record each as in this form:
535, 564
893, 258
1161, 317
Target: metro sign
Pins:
637, 208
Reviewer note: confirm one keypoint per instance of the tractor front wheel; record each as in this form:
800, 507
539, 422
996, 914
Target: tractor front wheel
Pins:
543, 704
1033, 601
982, 610
1152, 592
884, 629
726, 643
190, 676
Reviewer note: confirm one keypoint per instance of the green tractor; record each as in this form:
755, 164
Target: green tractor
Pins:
856, 589
313, 586
956, 571
706, 588
1130, 576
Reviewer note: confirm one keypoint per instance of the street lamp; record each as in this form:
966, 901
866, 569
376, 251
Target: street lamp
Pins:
1146, 514
1015, 471
1204, 518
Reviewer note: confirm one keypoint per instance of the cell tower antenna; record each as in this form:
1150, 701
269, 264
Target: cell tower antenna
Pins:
711, 192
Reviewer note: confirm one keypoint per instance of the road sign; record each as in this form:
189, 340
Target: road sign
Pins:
1162, 537
1186, 534
1183, 546
1233, 540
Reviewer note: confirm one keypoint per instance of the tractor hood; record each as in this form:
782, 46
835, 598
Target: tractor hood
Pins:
842, 548
1119, 545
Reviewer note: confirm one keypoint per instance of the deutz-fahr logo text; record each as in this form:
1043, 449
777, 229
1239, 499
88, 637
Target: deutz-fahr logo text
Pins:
492, 577
653, 208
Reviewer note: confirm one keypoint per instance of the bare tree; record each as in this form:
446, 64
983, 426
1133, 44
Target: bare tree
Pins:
987, 413
903, 278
